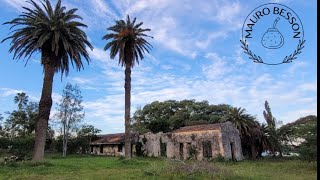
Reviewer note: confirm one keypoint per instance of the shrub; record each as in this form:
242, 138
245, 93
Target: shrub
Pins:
219, 158
22, 147
308, 153
4, 143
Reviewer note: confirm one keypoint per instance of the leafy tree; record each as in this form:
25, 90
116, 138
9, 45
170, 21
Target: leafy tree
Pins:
1, 128
70, 112
272, 133
308, 148
22, 122
300, 137
88, 132
55, 33
170, 115
128, 42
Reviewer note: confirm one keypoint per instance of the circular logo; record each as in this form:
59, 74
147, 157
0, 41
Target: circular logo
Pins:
272, 34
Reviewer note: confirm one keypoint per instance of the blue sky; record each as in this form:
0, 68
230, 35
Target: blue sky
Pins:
196, 55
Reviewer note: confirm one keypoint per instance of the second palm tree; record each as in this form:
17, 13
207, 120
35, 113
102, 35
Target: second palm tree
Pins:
127, 40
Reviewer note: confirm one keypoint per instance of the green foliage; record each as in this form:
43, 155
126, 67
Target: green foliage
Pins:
21, 147
88, 131
304, 129
219, 158
170, 115
75, 145
273, 134
1, 131
21, 122
69, 112
4, 142
127, 40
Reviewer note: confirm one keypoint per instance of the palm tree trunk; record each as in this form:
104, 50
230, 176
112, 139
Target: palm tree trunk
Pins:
253, 151
127, 87
44, 113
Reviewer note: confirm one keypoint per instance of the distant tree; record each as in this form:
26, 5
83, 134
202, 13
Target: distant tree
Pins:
300, 137
128, 42
170, 115
22, 122
89, 132
21, 99
54, 32
1, 128
69, 112
271, 131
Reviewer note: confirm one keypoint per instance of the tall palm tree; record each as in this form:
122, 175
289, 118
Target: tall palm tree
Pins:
127, 41
54, 32
21, 99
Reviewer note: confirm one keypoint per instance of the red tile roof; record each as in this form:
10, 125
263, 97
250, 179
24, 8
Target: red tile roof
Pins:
110, 139
202, 127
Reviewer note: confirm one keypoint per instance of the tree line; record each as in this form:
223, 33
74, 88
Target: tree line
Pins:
66, 133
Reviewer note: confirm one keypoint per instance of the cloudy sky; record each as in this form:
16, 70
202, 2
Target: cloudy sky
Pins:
196, 54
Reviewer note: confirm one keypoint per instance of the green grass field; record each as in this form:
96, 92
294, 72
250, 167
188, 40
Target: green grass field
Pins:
97, 167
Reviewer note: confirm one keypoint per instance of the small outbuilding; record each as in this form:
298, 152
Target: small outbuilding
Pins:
109, 144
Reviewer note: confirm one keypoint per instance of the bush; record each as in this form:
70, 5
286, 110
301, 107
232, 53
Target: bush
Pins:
308, 153
4, 143
219, 158
75, 145
22, 147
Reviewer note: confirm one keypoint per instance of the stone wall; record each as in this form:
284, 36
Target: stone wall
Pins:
231, 135
195, 139
108, 150
184, 145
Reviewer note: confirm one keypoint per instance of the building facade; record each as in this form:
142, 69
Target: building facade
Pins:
197, 142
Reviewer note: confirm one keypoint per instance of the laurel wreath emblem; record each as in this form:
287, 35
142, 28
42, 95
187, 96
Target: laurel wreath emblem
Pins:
257, 59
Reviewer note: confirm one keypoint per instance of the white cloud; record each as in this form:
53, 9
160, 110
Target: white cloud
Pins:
218, 67
5, 92
18, 4
228, 12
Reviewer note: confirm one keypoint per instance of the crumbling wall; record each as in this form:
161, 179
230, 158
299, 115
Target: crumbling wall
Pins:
231, 135
184, 145
195, 140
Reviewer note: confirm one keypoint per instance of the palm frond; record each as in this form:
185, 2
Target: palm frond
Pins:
53, 31
127, 41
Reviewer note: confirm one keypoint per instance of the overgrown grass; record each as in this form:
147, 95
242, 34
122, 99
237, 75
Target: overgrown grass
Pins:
97, 167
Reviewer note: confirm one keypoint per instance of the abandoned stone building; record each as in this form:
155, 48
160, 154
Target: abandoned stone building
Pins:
109, 144
198, 142
112, 144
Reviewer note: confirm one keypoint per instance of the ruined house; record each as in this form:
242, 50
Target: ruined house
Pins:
198, 142
109, 144
112, 144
